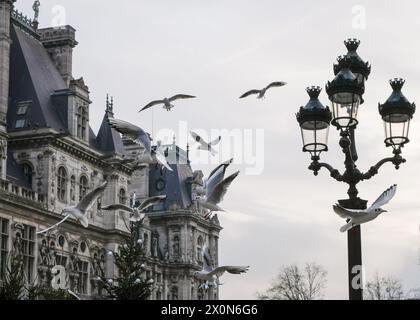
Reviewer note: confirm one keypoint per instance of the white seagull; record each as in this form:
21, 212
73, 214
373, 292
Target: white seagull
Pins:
215, 195
159, 155
210, 276
79, 211
132, 132
261, 93
206, 146
167, 102
215, 177
355, 218
140, 137
137, 214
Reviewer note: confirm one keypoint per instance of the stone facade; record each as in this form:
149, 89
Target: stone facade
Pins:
52, 158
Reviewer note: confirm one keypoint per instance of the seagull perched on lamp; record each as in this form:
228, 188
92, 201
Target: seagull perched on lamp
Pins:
167, 102
355, 218
261, 93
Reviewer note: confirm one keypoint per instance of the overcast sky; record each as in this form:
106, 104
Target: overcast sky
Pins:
143, 50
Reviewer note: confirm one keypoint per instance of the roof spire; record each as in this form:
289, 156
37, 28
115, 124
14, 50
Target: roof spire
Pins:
109, 106
35, 7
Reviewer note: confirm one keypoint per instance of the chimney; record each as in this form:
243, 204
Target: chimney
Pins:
59, 42
6, 7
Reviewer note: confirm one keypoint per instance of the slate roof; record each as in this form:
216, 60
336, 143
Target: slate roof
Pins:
109, 140
33, 77
177, 184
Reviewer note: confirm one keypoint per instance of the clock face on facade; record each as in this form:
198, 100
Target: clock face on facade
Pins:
160, 184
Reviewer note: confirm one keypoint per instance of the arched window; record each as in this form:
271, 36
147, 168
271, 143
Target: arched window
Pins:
199, 248
82, 120
27, 172
176, 248
122, 196
62, 184
72, 188
83, 186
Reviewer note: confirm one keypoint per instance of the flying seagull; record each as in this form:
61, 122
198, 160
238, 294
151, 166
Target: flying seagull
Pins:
167, 102
261, 93
210, 276
355, 218
131, 132
159, 155
215, 177
79, 211
140, 137
215, 195
206, 145
137, 214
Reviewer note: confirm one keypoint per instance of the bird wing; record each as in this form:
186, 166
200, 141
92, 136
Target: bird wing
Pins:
91, 198
217, 176
162, 160
216, 141
276, 84
196, 137
181, 96
251, 92
207, 261
384, 198
151, 202
54, 226
217, 194
113, 207
152, 104
347, 214
132, 132
219, 271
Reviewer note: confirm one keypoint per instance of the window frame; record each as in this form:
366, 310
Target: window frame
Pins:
62, 181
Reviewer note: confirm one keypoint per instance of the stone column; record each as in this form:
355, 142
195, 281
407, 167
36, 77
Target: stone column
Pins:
6, 7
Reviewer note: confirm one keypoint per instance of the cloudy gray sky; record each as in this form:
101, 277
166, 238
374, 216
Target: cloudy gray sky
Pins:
142, 50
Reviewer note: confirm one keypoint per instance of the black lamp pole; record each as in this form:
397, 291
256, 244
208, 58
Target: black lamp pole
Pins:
345, 93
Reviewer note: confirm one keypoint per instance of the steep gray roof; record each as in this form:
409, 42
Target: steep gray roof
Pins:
109, 140
177, 184
33, 77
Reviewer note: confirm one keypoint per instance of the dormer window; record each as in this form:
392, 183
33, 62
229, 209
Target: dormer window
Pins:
20, 123
22, 111
82, 122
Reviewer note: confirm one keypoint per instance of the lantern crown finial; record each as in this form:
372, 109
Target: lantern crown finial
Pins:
352, 44
397, 83
313, 91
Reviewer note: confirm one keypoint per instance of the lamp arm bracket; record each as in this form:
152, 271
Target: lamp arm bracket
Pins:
316, 167
396, 160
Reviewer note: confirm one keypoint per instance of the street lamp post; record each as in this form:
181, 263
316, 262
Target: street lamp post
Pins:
346, 95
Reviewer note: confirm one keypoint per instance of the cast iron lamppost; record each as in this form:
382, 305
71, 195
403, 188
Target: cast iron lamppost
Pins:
346, 95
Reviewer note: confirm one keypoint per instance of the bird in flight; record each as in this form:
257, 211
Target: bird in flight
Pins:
79, 211
215, 177
131, 132
137, 211
355, 218
167, 102
261, 93
209, 275
140, 137
214, 195
207, 146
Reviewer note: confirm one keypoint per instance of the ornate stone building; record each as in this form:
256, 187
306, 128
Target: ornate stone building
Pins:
50, 158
